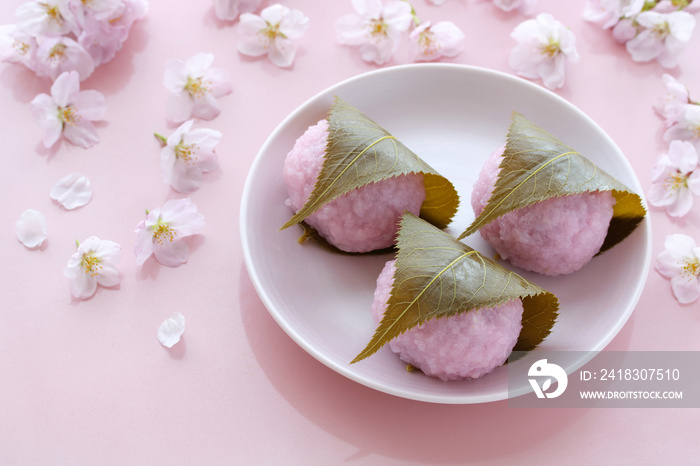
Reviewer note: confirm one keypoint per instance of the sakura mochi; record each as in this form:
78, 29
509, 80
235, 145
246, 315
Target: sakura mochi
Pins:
553, 237
463, 346
362, 220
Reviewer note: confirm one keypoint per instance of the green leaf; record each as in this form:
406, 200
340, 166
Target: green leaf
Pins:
438, 276
537, 166
360, 152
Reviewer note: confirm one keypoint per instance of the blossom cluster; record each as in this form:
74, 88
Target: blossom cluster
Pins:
675, 181
650, 29
377, 29
51, 37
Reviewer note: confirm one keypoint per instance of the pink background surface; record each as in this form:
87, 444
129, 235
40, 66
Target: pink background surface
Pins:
88, 382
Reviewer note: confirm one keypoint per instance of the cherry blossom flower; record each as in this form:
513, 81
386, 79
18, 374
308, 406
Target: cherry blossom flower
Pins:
431, 42
57, 55
675, 178
188, 153
687, 126
673, 103
170, 331
610, 12
271, 33
72, 191
94, 263
544, 47
229, 10
375, 28
162, 232
68, 111
523, 6
45, 17
31, 228
681, 263
105, 26
16, 46
195, 86
663, 37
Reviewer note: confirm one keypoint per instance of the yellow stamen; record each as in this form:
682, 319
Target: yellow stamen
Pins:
196, 87
187, 153
57, 53
427, 42
691, 269
91, 264
21, 47
377, 29
53, 13
662, 30
271, 33
162, 232
551, 48
68, 115
676, 181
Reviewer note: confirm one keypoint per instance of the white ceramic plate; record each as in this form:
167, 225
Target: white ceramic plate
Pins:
452, 116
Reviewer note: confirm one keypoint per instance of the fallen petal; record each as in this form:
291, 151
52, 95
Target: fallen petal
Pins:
31, 228
171, 330
72, 191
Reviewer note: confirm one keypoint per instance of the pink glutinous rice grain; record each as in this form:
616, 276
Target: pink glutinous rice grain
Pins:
364, 219
467, 345
554, 237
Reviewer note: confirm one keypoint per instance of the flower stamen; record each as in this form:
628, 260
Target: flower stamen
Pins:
53, 13
58, 53
69, 115
187, 153
196, 87
377, 29
551, 48
21, 47
163, 232
690, 269
91, 264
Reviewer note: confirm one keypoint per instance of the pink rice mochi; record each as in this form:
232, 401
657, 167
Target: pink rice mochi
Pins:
553, 237
463, 346
362, 220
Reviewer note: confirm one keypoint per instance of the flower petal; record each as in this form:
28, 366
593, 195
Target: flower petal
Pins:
171, 330
685, 290
82, 134
172, 254
72, 191
179, 107
90, 105
31, 228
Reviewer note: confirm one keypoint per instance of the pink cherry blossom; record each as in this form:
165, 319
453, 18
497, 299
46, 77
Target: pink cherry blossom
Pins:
375, 28
681, 263
188, 154
673, 103
16, 46
68, 111
544, 47
271, 34
662, 37
229, 10
610, 12
429, 42
675, 179
94, 263
195, 86
45, 17
163, 230
523, 6
57, 55
687, 126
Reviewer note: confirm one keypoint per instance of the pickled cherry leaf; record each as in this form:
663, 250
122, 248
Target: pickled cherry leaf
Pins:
537, 166
437, 276
360, 152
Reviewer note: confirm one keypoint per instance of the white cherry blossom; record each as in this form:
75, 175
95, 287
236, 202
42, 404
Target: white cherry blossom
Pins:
271, 33
45, 17
229, 10
672, 105
681, 263
69, 112
687, 126
375, 28
188, 153
194, 87
523, 6
163, 230
675, 179
57, 55
16, 46
429, 42
544, 46
94, 263
662, 37
610, 12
